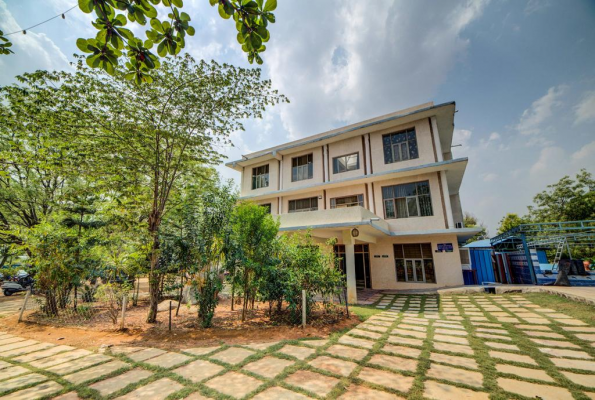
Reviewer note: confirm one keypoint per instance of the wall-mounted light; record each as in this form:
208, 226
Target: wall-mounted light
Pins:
355, 232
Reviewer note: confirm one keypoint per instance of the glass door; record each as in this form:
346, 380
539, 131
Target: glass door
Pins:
414, 270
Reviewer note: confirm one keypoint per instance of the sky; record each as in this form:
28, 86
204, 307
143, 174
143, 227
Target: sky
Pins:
522, 73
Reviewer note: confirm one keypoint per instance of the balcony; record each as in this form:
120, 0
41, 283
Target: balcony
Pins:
333, 221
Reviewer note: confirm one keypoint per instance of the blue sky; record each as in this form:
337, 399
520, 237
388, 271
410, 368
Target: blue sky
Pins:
522, 73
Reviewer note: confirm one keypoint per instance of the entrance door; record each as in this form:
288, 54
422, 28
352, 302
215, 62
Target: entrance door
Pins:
362, 266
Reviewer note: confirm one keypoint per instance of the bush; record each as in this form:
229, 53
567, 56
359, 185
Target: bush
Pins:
207, 296
112, 295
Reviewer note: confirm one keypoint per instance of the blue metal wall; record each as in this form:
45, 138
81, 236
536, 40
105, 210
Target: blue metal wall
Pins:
481, 262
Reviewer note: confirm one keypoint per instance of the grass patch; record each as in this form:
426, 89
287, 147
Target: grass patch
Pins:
576, 309
364, 312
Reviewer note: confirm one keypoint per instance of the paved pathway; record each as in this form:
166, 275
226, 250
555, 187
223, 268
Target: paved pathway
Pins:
10, 304
466, 347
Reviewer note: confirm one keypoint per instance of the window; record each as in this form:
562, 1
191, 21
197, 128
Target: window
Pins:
408, 200
346, 163
400, 146
302, 205
414, 263
268, 206
348, 201
260, 177
301, 168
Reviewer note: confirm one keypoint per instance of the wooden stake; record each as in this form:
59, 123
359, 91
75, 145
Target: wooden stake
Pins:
303, 309
25, 304
124, 303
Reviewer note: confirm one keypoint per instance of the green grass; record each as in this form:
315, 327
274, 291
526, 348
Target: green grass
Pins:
576, 309
364, 312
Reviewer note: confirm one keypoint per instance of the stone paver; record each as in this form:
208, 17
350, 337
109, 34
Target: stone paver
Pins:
13, 371
458, 361
387, 379
451, 339
512, 357
168, 360
346, 339
112, 385
355, 392
333, 365
555, 343
20, 381
299, 352
502, 346
95, 372
233, 355
199, 370
234, 384
565, 353
454, 348
38, 355
528, 373
441, 391
347, 351
458, 375
60, 358
157, 390
264, 346
575, 364
17, 345
268, 367
26, 350
80, 363
277, 392
366, 334
544, 392
401, 350
403, 340
201, 351
393, 362
313, 382
36, 392
145, 354
580, 379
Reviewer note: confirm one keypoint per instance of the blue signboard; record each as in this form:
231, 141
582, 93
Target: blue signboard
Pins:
445, 247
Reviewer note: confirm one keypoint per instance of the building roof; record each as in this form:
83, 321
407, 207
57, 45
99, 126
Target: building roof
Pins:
445, 120
484, 243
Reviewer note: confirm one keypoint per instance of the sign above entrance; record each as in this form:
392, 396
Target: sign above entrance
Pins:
445, 247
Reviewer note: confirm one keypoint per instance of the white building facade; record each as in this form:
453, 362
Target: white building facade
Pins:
386, 188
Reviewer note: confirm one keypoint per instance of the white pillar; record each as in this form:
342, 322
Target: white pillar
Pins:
371, 205
368, 153
325, 164
350, 266
437, 140
447, 203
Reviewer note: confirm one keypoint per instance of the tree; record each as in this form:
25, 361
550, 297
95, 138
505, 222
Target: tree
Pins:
113, 40
249, 249
566, 200
150, 137
471, 221
510, 221
4, 45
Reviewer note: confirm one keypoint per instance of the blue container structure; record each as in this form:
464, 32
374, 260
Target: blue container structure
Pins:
482, 268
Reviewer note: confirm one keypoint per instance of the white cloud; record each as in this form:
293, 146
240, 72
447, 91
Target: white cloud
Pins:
33, 51
462, 137
490, 177
536, 5
584, 155
540, 111
585, 110
355, 60
555, 162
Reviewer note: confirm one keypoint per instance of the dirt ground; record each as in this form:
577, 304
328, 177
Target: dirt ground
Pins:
185, 333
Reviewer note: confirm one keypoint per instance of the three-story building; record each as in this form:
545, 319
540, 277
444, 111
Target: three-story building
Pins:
386, 188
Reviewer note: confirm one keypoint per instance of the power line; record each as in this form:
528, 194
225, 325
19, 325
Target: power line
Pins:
24, 31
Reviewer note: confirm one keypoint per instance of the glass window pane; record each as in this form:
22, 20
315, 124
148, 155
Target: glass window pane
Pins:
409, 267
429, 269
423, 188
412, 251
387, 192
388, 151
419, 271
310, 170
412, 207
426, 249
396, 153
398, 250
413, 151
402, 208
400, 266
341, 164
425, 205
389, 209
351, 162
314, 203
404, 151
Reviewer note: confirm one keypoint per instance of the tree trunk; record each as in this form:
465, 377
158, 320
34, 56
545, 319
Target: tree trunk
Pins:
154, 281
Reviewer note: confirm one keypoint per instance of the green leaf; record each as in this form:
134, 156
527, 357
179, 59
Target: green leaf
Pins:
86, 6
83, 46
156, 24
213, 2
190, 31
161, 49
222, 12
178, 3
270, 5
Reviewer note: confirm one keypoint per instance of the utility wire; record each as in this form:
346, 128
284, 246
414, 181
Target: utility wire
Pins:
24, 31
